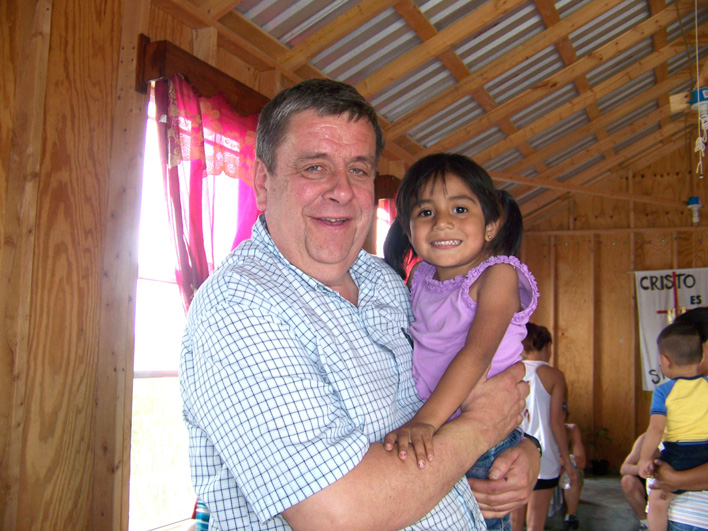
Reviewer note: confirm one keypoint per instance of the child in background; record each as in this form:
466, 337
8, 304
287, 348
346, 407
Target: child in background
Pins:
471, 296
572, 492
679, 412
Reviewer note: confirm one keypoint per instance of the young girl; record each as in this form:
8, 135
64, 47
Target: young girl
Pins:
471, 297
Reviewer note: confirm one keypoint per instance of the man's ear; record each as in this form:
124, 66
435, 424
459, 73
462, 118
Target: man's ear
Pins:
260, 176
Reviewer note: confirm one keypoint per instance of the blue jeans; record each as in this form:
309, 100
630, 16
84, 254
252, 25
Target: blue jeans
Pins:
676, 526
480, 470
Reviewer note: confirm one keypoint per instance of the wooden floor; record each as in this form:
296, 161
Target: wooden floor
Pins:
602, 507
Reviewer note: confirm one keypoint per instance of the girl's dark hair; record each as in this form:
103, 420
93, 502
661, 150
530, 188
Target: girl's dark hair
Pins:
494, 203
537, 337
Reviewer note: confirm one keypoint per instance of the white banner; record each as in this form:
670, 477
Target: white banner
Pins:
661, 295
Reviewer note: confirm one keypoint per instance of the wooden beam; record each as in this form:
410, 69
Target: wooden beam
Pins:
450, 36
606, 143
555, 185
551, 84
113, 405
496, 68
19, 231
162, 59
216, 9
341, 26
565, 110
626, 230
605, 166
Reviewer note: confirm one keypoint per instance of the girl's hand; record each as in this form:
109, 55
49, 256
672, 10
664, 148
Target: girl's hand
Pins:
415, 433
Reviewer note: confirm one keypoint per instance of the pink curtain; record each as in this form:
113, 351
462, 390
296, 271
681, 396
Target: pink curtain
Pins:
207, 152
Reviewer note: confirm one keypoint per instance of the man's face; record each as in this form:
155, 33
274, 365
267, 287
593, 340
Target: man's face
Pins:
319, 200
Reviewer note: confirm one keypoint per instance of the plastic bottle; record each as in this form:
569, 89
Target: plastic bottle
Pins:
201, 517
564, 481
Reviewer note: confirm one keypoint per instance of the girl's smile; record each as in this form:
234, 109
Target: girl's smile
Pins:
448, 229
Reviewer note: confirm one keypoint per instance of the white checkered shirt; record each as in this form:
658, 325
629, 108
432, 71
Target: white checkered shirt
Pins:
285, 384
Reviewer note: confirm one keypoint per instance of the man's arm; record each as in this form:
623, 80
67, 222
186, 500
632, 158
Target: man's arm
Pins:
577, 448
669, 479
384, 492
629, 467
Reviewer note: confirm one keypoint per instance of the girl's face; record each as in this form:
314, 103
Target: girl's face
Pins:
447, 227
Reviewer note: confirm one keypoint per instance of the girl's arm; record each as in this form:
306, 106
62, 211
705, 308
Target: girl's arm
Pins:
497, 300
652, 438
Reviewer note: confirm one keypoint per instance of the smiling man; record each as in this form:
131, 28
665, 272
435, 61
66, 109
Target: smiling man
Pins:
296, 362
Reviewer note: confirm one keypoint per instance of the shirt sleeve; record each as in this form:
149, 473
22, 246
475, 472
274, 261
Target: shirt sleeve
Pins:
267, 407
658, 399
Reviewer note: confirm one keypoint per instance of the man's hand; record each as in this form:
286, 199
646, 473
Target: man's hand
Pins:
664, 477
495, 406
512, 478
419, 435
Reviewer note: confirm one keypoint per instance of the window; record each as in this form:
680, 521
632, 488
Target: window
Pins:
160, 484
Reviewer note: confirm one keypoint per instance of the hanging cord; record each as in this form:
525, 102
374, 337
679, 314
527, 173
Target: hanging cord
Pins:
702, 107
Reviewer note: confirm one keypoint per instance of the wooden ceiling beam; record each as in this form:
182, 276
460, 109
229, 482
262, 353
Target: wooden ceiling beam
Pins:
409, 11
196, 18
643, 160
606, 143
565, 48
577, 189
218, 8
340, 27
496, 68
566, 140
430, 49
553, 83
604, 166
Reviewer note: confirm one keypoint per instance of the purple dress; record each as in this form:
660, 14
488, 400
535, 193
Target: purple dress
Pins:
443, 314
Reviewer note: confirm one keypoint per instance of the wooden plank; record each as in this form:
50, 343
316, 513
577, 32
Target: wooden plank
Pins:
552, 83
606, 165
340, 27
615, 355
450, 36
498, 67
162, 59
573, 336
555, 185
205, 45
116, 327
19, 227
218, 8
566, 110
588, 153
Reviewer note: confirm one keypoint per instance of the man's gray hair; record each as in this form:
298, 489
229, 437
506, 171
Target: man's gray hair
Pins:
324, 96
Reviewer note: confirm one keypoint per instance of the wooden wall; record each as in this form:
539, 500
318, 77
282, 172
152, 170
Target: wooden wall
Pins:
584, 257
71, 136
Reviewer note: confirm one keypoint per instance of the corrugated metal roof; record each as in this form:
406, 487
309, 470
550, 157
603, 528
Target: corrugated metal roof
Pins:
441, 96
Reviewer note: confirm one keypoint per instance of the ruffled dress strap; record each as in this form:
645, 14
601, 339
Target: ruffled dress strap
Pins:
423, 272
528, 288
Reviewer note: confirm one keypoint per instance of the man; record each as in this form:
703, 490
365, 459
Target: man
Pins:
634, 486
296, 360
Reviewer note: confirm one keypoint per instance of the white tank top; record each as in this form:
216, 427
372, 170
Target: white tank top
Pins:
537, 421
